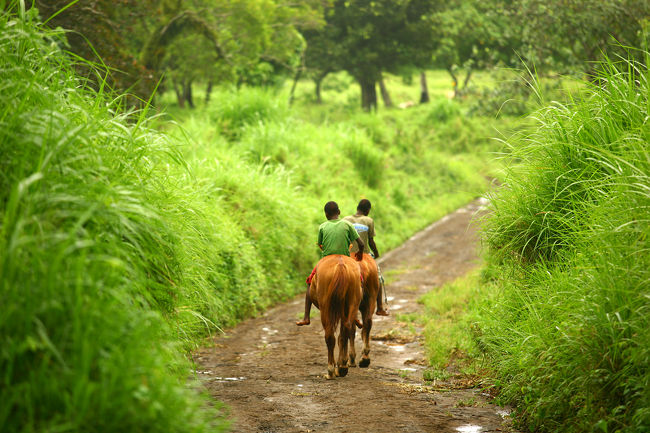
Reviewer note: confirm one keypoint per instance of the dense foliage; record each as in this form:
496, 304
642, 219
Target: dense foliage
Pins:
122, 247
568, 322
89, 260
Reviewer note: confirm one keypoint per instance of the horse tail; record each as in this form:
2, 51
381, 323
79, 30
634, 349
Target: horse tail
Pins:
335, 300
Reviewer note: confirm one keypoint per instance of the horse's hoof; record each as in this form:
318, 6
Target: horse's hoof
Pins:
342, 372
364, 362
329, 377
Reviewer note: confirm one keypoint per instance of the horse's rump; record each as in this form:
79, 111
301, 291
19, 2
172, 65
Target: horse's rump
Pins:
338, 289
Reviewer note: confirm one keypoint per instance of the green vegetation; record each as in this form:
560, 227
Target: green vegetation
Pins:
448, 320
561, 308
569, 328
418, 164
93, 266
124, 246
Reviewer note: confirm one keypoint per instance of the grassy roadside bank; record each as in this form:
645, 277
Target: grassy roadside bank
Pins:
561, 308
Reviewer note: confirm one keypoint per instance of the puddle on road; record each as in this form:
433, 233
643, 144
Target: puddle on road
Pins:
390, 298
503, 413
395, 307
398, 347
483, 203
469, 428
408, 369
222, 379
403, 301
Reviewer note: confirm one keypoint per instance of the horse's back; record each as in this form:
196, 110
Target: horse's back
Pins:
327, 266
368, 267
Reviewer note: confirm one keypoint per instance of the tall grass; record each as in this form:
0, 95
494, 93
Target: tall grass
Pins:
89, 264
569, 329
448, 317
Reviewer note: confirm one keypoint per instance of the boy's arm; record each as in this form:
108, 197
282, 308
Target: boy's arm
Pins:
361, 247
373, 247
371, 238
353, 235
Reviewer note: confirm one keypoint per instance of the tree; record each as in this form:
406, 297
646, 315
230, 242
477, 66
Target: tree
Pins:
368, 37
572, 35
185, 40
96, 30
473, 35
321, 57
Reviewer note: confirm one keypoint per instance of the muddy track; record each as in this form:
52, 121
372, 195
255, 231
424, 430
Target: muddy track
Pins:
269, 372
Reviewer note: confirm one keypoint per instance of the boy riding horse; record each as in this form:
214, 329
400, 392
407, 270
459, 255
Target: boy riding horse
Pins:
365, 226
334, 237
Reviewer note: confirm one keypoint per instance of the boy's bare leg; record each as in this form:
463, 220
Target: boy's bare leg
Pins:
381, 308
305, 320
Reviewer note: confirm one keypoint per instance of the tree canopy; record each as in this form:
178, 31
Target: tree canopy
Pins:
184, 39
259, 41
368, 37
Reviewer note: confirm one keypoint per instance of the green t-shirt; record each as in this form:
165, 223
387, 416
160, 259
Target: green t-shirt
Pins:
336, 236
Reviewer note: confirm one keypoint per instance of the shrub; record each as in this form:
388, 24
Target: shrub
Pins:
442, 110
569, 238
232, 109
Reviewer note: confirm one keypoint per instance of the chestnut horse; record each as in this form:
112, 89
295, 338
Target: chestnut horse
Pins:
367, 307
336, 291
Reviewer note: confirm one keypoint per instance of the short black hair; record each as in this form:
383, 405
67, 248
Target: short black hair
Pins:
331, 208
364, 206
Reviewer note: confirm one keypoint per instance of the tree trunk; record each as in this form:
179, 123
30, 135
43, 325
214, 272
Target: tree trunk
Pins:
293, 86
368, 94
467, 77
384, 94
179, 94
187, 93
318, 80
208, 92
453, 77
319, 100
424, 89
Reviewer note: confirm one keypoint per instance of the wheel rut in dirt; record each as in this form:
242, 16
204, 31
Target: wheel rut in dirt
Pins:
270, 372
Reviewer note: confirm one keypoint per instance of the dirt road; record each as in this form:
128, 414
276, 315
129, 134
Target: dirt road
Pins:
270, 372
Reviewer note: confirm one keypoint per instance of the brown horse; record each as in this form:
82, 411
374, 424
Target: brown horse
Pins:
367, 307
336, 291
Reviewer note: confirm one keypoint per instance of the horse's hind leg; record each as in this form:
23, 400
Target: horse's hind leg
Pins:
365, 334
330, 340
342, 364
352, 354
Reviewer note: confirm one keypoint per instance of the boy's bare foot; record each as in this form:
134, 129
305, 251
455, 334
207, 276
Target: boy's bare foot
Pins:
303, 322
382, 313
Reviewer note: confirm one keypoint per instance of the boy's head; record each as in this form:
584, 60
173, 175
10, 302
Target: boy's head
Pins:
364, 206
332, 210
